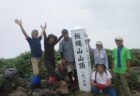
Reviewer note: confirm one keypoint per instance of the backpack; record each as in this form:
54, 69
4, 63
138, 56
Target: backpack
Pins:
96, 74
10, 73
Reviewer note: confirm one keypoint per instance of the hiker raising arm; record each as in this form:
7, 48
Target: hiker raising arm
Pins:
19, 22
44, 33
43, 29
35, 46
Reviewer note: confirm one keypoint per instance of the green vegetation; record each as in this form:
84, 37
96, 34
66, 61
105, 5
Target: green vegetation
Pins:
24, 67
23, 64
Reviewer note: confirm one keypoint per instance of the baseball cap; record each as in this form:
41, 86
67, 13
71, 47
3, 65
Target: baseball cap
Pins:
118, 38
64, 31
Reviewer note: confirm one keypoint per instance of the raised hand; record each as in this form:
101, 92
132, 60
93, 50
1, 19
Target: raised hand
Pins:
19, 22
44, 27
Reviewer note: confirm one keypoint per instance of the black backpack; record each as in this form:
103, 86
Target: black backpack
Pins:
10, 73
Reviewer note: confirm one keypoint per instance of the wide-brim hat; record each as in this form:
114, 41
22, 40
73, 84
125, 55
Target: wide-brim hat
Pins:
98, 43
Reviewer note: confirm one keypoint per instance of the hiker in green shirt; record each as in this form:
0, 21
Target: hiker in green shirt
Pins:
121, 64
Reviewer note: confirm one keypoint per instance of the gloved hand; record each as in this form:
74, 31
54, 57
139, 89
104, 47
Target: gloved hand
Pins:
100, 86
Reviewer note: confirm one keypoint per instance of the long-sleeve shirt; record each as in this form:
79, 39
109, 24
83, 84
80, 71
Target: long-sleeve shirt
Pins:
49, 48
100, 57
66, 48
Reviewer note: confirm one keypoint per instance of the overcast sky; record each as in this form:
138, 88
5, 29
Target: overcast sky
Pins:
102, 19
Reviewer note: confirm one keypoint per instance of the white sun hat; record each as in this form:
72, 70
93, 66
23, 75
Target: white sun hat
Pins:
99, 42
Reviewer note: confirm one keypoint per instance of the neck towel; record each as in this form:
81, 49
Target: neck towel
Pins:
119, 57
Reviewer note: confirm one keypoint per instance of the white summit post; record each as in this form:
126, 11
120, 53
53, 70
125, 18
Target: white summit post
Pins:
82, 58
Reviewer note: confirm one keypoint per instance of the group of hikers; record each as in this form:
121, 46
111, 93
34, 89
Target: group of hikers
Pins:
102, 77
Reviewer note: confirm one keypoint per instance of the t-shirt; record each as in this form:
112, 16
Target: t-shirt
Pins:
101, 77
35, 46
125, 55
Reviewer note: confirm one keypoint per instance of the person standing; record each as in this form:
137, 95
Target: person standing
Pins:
35, 46
67, 55
100, 56
121, 65
49, 43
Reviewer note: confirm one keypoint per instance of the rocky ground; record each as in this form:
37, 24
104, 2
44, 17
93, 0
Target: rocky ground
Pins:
23, 92
26, 91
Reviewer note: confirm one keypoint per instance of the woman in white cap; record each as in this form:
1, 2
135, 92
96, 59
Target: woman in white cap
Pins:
100, 56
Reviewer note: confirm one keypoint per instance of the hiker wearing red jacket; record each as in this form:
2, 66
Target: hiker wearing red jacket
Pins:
101, 81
